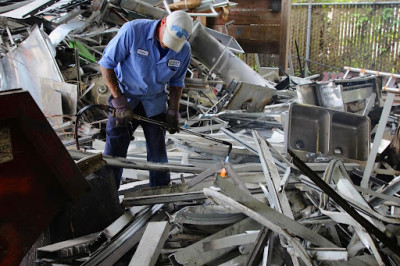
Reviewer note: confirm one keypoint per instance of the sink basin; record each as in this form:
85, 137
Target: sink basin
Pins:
314, 131
309, 129
350, 136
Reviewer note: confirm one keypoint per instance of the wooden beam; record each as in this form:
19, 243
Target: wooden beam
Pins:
255, 38
195, 254
285, 38
247, 17
265, 32
258, 29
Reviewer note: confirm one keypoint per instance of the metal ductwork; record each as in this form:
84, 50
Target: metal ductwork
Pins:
221, 60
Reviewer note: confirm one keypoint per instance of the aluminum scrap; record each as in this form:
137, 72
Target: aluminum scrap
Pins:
283, 215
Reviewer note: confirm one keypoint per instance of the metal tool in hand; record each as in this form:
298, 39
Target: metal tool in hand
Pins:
167, 126
149, 120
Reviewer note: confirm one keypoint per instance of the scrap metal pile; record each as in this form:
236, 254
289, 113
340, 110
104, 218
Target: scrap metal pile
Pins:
299, 183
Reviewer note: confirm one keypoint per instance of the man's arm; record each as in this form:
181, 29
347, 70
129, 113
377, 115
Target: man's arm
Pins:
123, 112
172, 116
111, 80
174, 97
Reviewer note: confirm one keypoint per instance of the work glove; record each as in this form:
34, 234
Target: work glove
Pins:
123, 112
172, 119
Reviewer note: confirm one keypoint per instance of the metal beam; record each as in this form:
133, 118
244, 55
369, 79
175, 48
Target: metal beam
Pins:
112, 252
209, 171
158, 199
276, 221
256, 252
390, 190
131, 164
377, 140
150, 245
270, 219
195, 255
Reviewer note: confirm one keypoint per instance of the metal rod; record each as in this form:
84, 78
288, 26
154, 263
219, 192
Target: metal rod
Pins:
10, 36
136, 164
308, 40
392, 90
374, 72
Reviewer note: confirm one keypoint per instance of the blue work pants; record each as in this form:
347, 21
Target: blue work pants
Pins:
118, 139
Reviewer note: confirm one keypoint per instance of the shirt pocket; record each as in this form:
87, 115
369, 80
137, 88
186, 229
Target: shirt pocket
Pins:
165, 72
143, 65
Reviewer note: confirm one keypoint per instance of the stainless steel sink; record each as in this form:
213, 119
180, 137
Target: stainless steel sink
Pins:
314, 131
309, 129
350, 136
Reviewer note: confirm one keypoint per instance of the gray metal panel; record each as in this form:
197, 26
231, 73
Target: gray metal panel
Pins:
250, 97
226, 40
144, 8
24, 66
331, 96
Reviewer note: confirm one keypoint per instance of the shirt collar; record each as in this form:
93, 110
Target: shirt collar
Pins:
152, 30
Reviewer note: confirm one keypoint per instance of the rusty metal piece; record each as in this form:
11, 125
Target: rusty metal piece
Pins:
37, 179
91, 164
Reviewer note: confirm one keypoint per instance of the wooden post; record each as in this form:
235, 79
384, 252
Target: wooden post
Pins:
285, 37
203, 20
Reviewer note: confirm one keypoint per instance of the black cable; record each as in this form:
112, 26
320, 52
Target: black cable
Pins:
298, 59
317, 63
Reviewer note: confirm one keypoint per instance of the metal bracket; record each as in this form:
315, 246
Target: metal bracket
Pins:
91, 164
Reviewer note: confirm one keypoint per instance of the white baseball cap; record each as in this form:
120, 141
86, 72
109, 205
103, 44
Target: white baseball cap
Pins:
178, 28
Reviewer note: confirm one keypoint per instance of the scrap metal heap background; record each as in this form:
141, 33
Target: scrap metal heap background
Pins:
266, 205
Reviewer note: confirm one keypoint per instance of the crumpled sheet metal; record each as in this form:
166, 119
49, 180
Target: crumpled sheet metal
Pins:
21, 70
28, 9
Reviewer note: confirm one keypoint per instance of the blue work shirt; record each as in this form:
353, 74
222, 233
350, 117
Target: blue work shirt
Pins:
142, 76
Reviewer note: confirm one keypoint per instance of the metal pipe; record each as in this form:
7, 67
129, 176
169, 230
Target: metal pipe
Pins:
309, 14
10, 36
393, 90
135, 164
373, 72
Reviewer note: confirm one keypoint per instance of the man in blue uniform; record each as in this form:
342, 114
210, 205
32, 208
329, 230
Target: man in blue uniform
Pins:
137, 64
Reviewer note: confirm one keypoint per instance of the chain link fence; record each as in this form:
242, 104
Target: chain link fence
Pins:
361, 35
